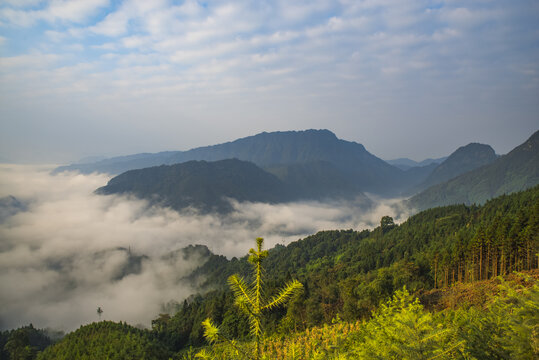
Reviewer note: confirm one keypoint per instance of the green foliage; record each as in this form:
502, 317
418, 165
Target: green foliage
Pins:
401, 329
23, 343
508, 328
106, 340
348, 273
387, 223
249, 299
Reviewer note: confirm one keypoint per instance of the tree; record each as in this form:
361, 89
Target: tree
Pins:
249, 299
401, 329
18, 345
387, 223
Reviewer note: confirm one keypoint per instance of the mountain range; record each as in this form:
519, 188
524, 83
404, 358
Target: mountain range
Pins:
274, 150
200, 184
311, 164
515, 171
405, 163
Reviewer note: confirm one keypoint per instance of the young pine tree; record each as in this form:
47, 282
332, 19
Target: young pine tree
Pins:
249, 299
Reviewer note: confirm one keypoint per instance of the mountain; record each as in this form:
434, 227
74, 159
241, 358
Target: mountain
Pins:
316, 180
207, 185
405, 163
200, 184
416, 175
276, 149
464, 159
515, 171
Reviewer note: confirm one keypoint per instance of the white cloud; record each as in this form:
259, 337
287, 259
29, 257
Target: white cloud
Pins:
68, 253
34, 61
23, 3
114, 24
358, 58
76, 11
73, 10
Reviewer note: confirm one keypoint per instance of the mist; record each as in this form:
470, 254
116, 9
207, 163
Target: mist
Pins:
68, 251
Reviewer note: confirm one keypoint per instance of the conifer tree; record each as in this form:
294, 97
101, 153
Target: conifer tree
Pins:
250, 299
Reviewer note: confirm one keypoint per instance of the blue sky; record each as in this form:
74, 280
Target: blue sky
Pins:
404, 78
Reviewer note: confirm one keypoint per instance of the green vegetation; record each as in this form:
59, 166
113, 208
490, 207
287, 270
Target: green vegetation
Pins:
200, 184
505, 328
346, 274
359, 298
464, 159
516, 171
249, 298
23, 343
106, 340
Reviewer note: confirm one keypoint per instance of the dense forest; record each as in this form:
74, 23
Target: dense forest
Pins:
359, 297
346, 273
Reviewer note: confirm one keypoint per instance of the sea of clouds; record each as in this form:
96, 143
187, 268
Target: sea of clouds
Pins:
67, 251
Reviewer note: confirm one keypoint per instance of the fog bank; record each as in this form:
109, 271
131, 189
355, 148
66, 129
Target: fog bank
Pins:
68, 251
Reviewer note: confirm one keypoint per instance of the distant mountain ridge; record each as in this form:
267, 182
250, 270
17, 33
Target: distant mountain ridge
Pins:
276, 149
310, 164
200, 184
207, 186
518, 170
405, 163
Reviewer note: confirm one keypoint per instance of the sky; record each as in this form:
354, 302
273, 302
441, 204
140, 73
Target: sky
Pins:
405, 78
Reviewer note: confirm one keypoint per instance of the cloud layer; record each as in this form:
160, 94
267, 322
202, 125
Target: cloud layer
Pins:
138, 75
73, 251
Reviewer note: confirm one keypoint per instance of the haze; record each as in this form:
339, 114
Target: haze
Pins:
68, 252
404, 78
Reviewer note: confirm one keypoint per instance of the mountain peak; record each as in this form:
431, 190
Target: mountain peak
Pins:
462, 160
319, 134
515, 171
473, 148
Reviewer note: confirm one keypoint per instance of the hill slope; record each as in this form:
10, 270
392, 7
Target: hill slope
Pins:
515, 171
200, 184
316, 180
464, 159
347, 273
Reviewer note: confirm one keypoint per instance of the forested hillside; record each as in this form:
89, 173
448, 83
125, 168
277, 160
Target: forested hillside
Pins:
347, 273
106, 340
464, 159
207, 186
516, 171
353, 303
